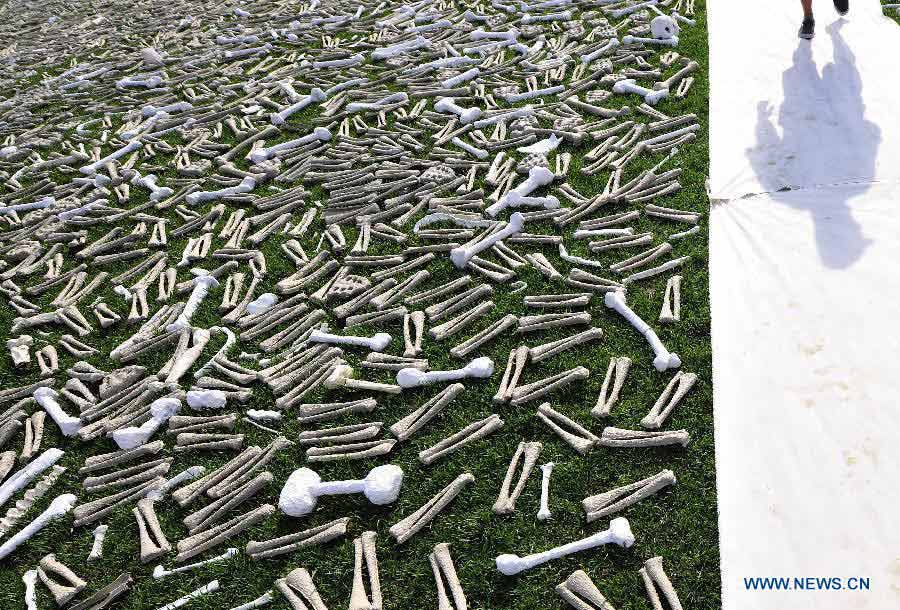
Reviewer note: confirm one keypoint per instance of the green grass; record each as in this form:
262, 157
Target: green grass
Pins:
680, 523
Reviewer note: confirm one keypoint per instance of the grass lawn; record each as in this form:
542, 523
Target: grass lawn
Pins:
680, 523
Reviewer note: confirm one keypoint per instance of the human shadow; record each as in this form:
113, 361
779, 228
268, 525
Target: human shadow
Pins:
823, 125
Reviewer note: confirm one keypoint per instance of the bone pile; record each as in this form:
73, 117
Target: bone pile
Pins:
222, 222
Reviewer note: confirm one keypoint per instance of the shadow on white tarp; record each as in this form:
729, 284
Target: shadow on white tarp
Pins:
792, 113
805, 295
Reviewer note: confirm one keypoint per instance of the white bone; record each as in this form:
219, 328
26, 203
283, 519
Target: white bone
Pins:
262, 154
619, 532
28, 473
160, 572
513, 98
150, 110
263, 600
476, 152
664, 359
91, 169
206, 399
589, 57
161, 410
632, 8
202, 284
157, 193
509, 35
667, 42
30, 579
188, 474
466, 115
149, 83
341, 376
58, 507
518, 113
246, 185
68, 424
479, 368
537, 177
376, 343
264, 415
262, 303
315, 95
19, 349
181, 601
544, 511
394, 98
459, 79
303, 488
460, 256
650, 96
97, 548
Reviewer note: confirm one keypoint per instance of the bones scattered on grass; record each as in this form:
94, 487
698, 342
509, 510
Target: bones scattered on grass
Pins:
670, 398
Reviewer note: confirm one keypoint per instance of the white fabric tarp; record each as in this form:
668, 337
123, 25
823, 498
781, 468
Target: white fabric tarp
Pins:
805, 295
786, 113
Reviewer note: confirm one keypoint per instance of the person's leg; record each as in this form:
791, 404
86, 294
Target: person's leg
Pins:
807, 9
808, 27
841, 6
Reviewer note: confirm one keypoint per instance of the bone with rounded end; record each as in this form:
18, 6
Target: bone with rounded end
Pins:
58, 507
460, 256
619, 532
479, 368
537, 177
161, 410
544, 510
303, 488
99, 538
30, 579
375, 343
46, 398
160, 572
651, 96
664, 359
466, 115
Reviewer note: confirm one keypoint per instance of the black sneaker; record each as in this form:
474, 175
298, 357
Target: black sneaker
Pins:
808, 27
842, 6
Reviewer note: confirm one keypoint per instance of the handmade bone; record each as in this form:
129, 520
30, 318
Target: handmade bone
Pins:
616, 373
544, 510
527, 454
161, 410
301, 492
664, 359
617, 499
650, 96
376, 343
580, 592
63, 583
58, 507
460, 256
619, 532
654, 576
46, 398
365, 562
479, 368
409, 526
160, 572
671, 396
299, 590
537, 177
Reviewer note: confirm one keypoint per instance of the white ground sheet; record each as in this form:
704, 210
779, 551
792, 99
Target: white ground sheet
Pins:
786, 113
805, 290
